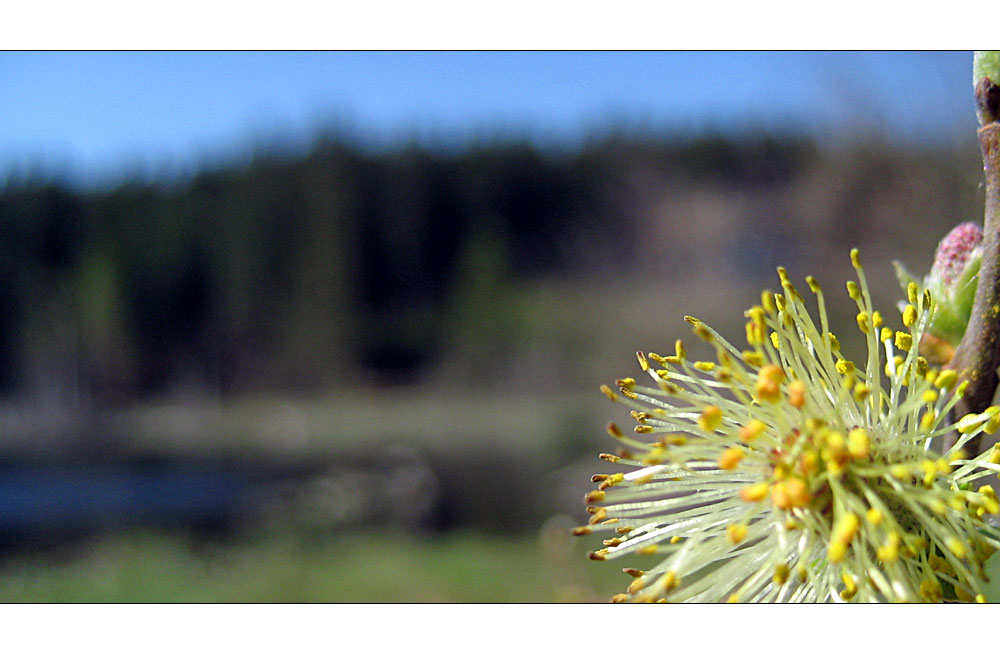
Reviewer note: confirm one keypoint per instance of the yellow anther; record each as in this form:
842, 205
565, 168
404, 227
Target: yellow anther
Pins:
874, 516
946, 379
943, 466
633, 572
930, 590
626, 382
845, 367
610, 394
593, 496
730, 458
911, 292
789, 494
653, 457
855, 258
648, 549
610, 458
928, 419
643, 363
858, 443
835, 443
995, 454
864, 322
969, 422
734, 598
736, 533
835, 552
752, 430
613, 480
957, 503
861, 392
802, 572
885, 334
895, 367
852, 290
614, 431
657, 358
960, 391
768, 383
980, 599
846, 528
779, 301
755, 492
797, 393
904, 341
669, 581
705, 366
929, 396
910, 315
755, 359
930, 471
643, 429
582, 531
808, 463
674, 540
679, 349
834, 343
889, 552
710, 418
876, 319
850, 586
780, 574
775, 341
620, 598
937, 564
636, 586
767, 302
798, 492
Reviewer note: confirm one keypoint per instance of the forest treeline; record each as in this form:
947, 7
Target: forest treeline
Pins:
342, 267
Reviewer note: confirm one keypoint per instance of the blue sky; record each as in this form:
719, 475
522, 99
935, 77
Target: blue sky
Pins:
94, 117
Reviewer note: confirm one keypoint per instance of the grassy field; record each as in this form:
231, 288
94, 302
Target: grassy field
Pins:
371, 567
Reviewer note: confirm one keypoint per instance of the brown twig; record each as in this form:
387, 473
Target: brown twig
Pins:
978, 354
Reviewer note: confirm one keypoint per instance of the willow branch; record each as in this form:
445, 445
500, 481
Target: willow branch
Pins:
978, 354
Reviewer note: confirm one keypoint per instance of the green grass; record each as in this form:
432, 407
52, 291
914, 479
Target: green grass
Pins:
372, 567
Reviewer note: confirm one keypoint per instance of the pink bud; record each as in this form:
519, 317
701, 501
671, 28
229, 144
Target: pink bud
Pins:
954, 252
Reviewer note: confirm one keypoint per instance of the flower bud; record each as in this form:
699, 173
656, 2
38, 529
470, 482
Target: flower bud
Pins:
952, 282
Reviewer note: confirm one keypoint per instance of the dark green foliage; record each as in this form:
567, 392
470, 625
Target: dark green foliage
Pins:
344, 267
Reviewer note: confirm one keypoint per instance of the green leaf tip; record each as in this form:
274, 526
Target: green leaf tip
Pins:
985, 63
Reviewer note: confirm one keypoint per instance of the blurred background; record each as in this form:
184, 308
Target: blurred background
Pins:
330, 326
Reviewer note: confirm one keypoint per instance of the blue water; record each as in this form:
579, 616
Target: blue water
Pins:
84, 496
